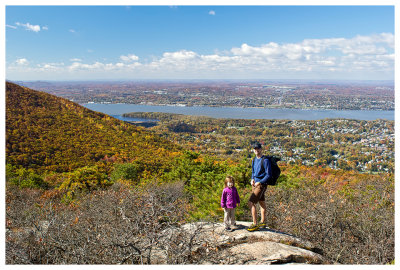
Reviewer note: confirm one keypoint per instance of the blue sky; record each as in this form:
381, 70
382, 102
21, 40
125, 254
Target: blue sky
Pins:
199, 42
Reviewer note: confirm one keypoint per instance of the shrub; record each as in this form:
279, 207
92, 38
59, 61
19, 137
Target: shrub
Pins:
24, 178
351, 225
84, 180
114, 226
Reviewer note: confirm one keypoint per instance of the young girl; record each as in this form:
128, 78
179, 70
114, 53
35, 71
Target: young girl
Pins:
229, 201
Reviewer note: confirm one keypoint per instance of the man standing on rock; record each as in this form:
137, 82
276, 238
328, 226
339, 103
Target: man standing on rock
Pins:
261, 172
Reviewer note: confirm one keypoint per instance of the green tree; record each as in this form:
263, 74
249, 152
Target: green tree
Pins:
84, 180
127, 171
24, 178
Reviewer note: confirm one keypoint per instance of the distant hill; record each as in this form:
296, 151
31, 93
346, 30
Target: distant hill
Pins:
49, 133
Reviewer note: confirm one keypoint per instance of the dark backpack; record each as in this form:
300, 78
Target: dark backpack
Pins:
275, 170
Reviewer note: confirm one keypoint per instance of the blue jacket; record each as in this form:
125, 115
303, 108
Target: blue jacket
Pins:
260, 174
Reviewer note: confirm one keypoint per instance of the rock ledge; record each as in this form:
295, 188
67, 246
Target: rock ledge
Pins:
266, 246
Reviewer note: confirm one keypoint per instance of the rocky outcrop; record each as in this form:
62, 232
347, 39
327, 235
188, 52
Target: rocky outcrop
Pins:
240, 246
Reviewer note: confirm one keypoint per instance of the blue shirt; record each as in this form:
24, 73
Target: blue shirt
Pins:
260, 174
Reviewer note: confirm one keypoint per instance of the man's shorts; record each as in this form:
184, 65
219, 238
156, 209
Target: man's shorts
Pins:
258, 194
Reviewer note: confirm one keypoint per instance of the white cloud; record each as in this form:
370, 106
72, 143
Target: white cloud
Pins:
129, 58
51, 67
11, 26
78, 65
22, 62
99, 67
212, 12
182, 55
309, 50
313, 55
29, 27
179, 60
75, 60
72, 31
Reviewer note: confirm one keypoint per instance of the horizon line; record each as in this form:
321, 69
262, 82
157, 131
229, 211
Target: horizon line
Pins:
205, 79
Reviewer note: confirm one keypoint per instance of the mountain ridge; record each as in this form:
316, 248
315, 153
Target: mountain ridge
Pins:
49, 133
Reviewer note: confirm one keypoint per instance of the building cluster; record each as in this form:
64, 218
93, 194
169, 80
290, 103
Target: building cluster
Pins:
364, 146
361, 145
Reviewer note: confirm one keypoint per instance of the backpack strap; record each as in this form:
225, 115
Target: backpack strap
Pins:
262, 162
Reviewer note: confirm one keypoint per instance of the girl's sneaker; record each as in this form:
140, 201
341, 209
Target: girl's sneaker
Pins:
253, 227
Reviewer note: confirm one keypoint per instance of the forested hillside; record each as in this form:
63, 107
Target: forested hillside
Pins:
48, 133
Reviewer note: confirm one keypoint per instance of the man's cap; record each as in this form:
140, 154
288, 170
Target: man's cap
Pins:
256, 145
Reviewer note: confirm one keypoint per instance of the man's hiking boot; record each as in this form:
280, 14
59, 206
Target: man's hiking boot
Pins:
253, 227
262, 225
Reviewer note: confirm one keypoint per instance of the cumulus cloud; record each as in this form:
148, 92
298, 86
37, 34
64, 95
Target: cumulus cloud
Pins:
313, 52
212, 12
370, 53
22, 62
129, 58
307, 48
98, 66
182, 55
179, 60
49, 67
78, 65
30, 27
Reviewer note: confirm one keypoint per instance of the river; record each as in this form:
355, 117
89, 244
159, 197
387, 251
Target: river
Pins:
116, 110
